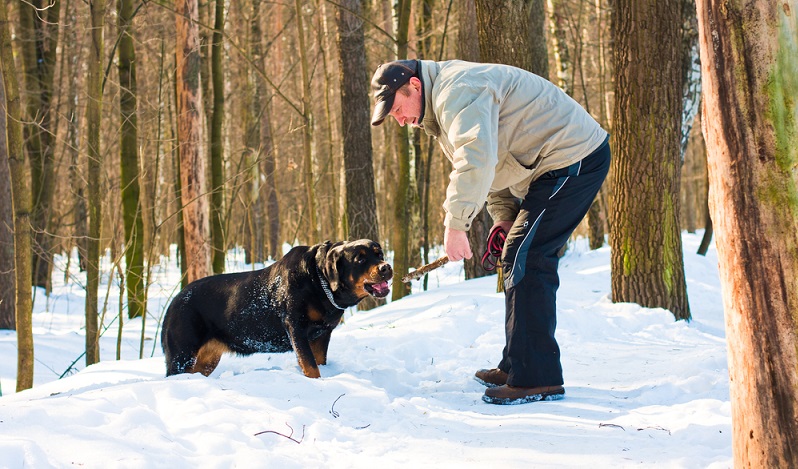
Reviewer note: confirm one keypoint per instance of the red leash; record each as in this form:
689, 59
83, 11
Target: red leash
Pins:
493, 254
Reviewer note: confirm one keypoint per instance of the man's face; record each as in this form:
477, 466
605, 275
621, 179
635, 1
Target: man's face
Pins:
407, 109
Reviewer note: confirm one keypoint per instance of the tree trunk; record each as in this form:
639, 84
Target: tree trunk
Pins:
645, 238
748, 60
558, 31
39, 23
311, 209
94, 122
8, 284
402, 220
196, 223
468, 49
509, 33
217, 145
129, 161
22, 205
361, 201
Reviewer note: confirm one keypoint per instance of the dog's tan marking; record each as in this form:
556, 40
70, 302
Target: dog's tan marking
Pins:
208, 357
315, 315
319, 352
308, 370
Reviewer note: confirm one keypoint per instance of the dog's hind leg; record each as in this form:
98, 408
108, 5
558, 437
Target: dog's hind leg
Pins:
208, 357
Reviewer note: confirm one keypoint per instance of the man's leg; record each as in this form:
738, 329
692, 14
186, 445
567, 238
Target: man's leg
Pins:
551, 211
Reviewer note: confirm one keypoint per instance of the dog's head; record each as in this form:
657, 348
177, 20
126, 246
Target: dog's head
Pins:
358, 268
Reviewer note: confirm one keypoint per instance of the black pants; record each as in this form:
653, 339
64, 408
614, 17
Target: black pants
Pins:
550, 212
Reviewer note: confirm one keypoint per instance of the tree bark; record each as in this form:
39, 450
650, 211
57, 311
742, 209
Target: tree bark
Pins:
749, 56
94, 121
22, 206
217, 144
193, 166
645, 237
129, 162
8, 284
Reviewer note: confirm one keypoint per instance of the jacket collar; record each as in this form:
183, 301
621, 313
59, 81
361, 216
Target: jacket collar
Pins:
428, 72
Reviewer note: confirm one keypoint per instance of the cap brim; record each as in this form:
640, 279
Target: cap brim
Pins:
382, 109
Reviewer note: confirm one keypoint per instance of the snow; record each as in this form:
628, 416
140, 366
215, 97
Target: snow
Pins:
641, 389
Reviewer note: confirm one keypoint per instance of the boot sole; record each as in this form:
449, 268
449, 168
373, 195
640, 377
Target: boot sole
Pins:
524, 400
487, 383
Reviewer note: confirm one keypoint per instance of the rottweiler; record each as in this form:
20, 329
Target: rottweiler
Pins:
294, 303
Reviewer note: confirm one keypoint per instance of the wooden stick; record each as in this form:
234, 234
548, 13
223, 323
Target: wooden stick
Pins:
424, 269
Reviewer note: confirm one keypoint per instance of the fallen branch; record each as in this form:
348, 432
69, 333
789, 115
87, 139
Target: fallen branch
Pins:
611, 425
334, 413
290, 437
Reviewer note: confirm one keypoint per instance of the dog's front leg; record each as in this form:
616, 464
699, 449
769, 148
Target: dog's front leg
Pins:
304, 353
319, 347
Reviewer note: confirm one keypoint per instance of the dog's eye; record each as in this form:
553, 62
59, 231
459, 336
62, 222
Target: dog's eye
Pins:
360, 260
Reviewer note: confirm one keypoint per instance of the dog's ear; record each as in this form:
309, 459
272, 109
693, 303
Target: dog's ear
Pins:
327, 261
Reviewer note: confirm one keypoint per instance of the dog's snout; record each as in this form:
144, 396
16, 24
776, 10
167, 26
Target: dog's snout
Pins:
386, 270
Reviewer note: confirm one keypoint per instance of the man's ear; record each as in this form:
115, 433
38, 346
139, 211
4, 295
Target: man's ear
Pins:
327, 261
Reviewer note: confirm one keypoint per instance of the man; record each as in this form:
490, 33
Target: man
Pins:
539, 159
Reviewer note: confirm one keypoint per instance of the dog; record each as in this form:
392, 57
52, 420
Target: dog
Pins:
294, 303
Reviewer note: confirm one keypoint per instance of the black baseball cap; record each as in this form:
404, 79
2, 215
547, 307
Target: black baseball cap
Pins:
388, 78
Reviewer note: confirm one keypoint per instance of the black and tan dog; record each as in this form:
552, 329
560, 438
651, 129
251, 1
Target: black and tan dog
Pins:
294, 303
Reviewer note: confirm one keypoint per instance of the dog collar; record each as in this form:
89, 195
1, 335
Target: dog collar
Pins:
326, 287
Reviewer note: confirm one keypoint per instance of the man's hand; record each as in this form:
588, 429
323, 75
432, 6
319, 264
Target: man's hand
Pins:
455, 243
505, 225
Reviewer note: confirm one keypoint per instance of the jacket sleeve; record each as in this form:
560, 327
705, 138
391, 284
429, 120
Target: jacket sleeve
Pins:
470, 117
503, 206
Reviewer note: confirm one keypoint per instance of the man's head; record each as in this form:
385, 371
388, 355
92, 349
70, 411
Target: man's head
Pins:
397, 93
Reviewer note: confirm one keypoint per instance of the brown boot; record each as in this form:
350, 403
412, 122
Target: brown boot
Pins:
491, 378
514, 395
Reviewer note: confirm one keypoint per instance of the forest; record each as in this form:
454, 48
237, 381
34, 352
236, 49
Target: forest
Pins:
132, 126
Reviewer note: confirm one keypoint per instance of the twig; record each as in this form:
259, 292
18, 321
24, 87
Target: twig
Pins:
424, 269
654, 428
611, 425
290, 437
335, 413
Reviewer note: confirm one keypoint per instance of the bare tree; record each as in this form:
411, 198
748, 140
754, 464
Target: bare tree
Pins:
39, 25
748, 62
22, 207
7, 281
196, 223
129, 162
217, 144
94, 106
645, 236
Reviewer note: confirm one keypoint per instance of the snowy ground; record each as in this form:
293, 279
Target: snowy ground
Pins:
398, 391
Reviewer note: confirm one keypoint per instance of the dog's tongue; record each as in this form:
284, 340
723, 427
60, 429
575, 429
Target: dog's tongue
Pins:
381, 289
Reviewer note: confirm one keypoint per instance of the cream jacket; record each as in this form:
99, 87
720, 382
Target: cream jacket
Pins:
501, 127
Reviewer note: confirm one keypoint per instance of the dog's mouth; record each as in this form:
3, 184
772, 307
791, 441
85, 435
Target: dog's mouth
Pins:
380, 290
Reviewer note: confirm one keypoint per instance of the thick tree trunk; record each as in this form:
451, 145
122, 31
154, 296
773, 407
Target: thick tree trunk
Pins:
8, 284
468, 49
645, 237
94, 121
361, 201
217, 145
129, 161
196, 222
22, 205
749, 56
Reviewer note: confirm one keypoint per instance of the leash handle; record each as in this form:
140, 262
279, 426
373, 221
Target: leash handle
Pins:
493, 252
